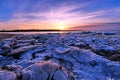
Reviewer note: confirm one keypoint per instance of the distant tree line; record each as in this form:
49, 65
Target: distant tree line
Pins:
34, 30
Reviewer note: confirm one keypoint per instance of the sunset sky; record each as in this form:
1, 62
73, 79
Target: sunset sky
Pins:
57, 14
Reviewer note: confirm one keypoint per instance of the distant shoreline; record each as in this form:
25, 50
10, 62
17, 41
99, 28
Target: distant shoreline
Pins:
34, 30
51, 30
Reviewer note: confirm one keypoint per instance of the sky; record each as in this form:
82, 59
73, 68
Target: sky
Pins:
57, 14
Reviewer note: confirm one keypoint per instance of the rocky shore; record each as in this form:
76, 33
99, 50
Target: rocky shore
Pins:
61, 56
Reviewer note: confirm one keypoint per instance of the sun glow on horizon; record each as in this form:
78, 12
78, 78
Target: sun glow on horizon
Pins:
61, 27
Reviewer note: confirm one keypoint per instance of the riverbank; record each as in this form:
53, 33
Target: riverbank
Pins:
5, 36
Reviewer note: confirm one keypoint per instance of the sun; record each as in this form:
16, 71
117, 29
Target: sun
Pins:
61, 27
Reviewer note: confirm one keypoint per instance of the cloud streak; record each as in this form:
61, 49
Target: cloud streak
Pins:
54, 14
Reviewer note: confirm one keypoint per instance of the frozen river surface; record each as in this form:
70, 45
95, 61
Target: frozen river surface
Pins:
61, 56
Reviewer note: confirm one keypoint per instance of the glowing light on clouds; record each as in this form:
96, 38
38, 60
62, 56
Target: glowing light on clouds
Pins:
51, 14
